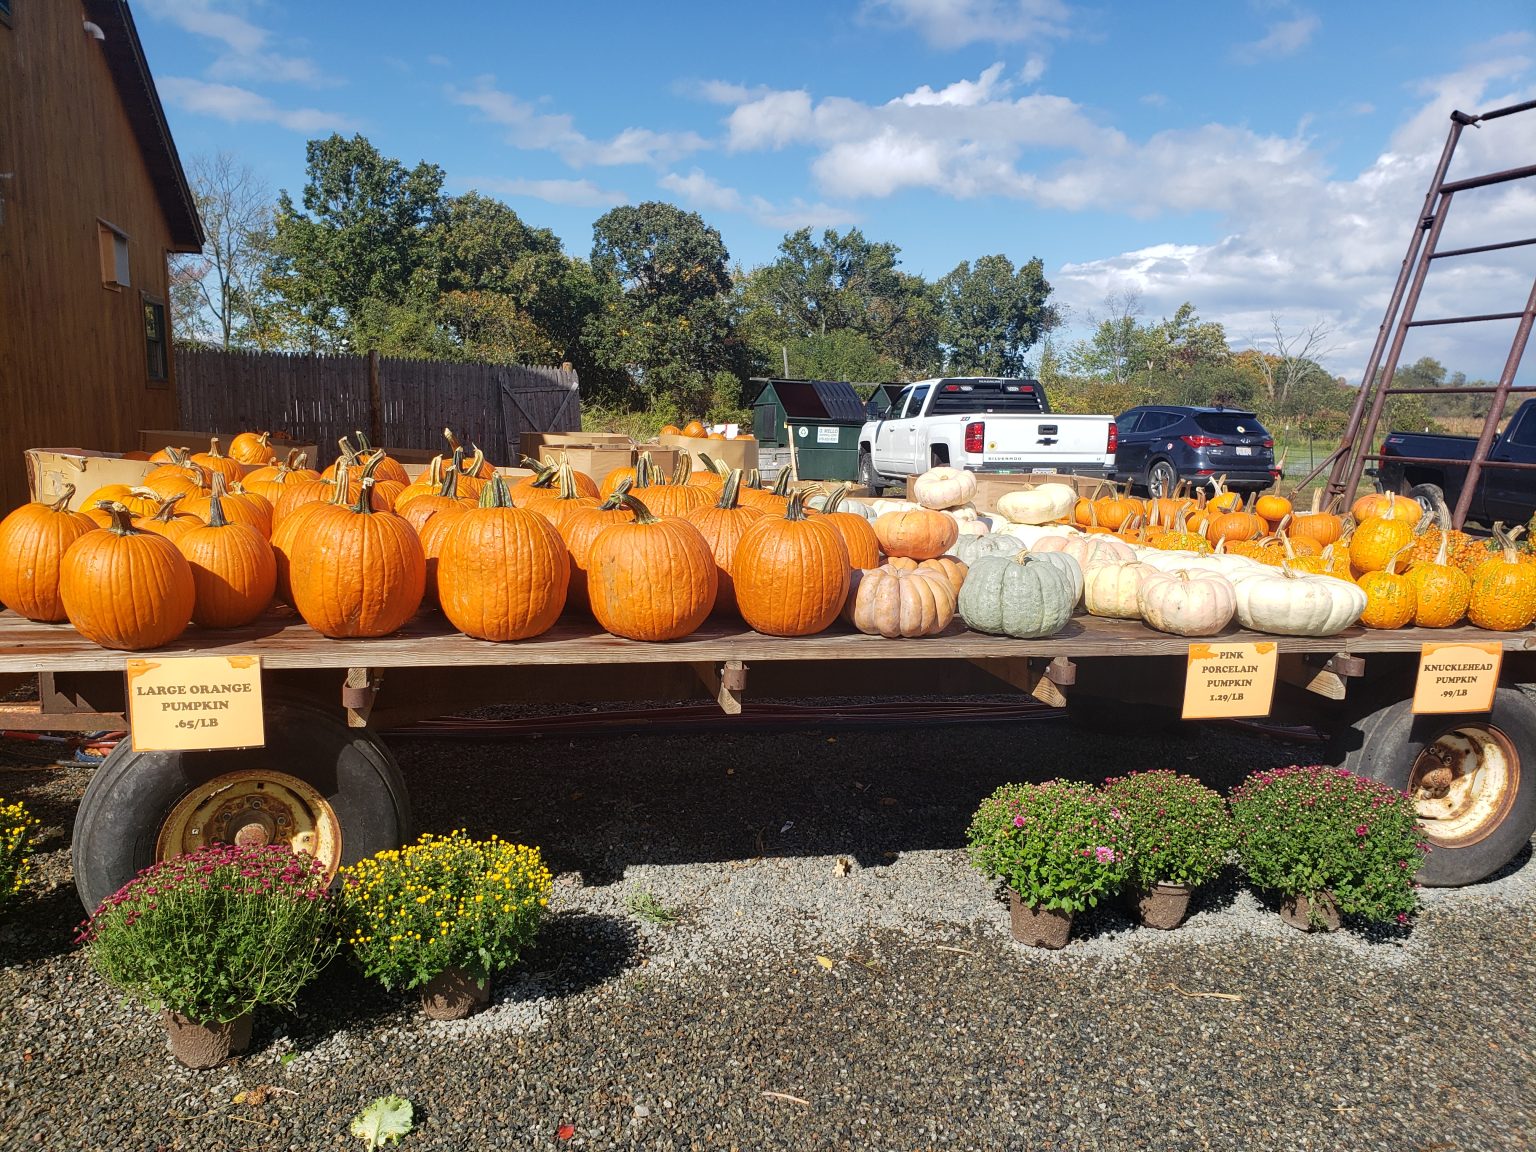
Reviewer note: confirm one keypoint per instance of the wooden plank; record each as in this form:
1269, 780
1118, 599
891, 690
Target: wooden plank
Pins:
358, 694
1323, 677
725, 682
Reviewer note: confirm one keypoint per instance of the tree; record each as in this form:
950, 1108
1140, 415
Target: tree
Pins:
666, 318
1290, 359
1118, 345
992, 314
840, 355
214, 292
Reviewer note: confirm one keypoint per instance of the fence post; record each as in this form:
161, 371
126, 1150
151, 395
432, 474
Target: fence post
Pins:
375, 400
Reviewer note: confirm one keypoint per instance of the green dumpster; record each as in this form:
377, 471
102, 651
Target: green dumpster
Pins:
820, 419
825, 449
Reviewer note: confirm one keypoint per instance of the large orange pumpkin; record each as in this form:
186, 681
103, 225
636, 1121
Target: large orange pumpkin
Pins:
858, 533
122, 588
269, 482
1235, 525
1320, 524
920, 533
502, 571
213, 461
168, 520
434, 537
33, 540
1377, 540
233, 569
356, 571
580, 529
1503, 595
651, 579
792, 573
420, 507
1442, 592
722, 524
694, 429
252, 448
676, 497
566, 500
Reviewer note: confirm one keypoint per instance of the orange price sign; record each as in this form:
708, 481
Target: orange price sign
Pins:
1457, 677
1230, 680
187, 703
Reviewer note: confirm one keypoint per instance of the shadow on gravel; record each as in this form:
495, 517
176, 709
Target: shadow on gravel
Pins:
576, 951
46, 929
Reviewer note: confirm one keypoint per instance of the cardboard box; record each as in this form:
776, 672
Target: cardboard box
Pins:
154, 439
989, 486
596, 460
664, 459
533, 444
51, 470
732, 453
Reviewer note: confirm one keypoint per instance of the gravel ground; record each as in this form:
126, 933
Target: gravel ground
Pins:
836, 978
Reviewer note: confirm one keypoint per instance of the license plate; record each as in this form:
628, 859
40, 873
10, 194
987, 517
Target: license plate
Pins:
1245, 451
1042, 471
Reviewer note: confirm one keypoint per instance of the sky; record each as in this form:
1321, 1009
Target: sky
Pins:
1264, 160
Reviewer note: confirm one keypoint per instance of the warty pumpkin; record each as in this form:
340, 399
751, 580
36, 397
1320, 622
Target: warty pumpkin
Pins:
897, 602
652, 578
921, 533
1381, 538
1442, 592
722, 524
234, 570
502, 571
33, 540
126, 589
1503, 590
1023, 597
1390, 598
792, 572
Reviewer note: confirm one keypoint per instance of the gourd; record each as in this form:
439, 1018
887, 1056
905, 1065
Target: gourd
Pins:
1039, 504
792, 572
126, 589
234, 571
1291, 603
1110, 589
1503, 590
1380, 538
896, 602
1186, 603
652, 578
920, 533
968, 548
944, 487
1064, 564
722, 525
502, 571
1390, 599
1024, 597
33, 540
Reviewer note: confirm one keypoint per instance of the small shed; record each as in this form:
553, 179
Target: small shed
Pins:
822, 417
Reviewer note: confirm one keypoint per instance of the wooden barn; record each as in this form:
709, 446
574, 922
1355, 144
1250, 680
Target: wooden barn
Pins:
92, 200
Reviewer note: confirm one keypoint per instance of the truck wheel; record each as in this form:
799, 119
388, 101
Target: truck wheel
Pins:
1472, 777
1162, 478
321, 787
868, 478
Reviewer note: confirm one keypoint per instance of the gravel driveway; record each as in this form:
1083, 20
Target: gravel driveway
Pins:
836, 978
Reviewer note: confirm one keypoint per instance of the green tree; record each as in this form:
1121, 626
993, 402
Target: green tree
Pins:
991, 314
841, 355
215, 292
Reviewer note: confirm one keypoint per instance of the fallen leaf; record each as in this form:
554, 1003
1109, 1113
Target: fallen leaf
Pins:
565, 1131
384, 1121
785, 1096
842, 867
826, 962
1203, 995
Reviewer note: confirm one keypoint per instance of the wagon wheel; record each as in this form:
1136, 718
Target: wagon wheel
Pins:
318, 786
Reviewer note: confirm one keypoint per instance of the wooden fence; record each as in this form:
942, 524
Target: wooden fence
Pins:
400, 404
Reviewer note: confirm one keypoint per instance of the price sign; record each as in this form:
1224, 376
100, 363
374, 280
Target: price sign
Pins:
1457, 677
188, 703
1229, 680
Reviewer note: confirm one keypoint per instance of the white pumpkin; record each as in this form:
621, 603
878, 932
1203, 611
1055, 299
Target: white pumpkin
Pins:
1110, 589
853, 504
1066, 565
962, 512
1039, 504
993, 522
1186, 603
1288, 603
1181, 561
968, 548
974, 528
882, 506
944, 487
1086, 549
1031, 533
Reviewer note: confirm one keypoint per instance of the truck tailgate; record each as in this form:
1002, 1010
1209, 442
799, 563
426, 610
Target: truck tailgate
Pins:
1040, 441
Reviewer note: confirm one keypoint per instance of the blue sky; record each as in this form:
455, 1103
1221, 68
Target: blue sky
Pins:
1258, 159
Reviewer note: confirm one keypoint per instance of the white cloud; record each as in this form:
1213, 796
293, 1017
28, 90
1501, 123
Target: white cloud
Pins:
1033, 70
1285, 38
247, 54
700, 191
438, 60
241, 105
955, 23
575, 192
528, 128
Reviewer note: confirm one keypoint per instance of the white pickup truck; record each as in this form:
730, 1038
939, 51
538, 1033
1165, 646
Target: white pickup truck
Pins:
983, 424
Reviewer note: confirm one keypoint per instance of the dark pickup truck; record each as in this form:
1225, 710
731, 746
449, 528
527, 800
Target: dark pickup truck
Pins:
1507, 494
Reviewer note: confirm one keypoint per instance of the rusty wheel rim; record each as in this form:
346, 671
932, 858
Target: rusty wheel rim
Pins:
253, 808
1463, 784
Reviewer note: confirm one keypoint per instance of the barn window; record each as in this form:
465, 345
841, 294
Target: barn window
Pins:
5, 12
156, 340
114, 254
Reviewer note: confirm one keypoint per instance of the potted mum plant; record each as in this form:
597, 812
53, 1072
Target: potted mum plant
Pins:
17, 828
209, 936
1057, 846
1331, 843
1177, 836
444, 915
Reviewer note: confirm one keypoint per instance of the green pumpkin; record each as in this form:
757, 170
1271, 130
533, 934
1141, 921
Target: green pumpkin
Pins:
1024, 597
968, 549
1069, 568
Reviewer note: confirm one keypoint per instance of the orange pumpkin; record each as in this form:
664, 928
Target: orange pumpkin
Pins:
252, 448
580, 529
952, 568
1503, 597
1320, 524
269, 482
676, 497
238, 507
774, 501
920, 533
213, 461
1379, 503
1377, 540
556, 506
234, 570
653, 578
792, 572
858, 533
694, 429
1273, 507
434, 537
127, 589
422, 506
1235, 525
33, 540
670, 430
722, 525
169, 520
298, 493
1390, 600
185, 479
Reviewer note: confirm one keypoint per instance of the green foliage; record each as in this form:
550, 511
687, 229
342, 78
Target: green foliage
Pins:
1316, 830
1177, 831
645, 904
1056, 844
214, 933
443, 902
384, 1121
842, 354
990, 315
17, 834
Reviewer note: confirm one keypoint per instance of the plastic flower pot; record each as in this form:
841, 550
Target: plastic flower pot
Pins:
206, 1045
1038, 927
453, 995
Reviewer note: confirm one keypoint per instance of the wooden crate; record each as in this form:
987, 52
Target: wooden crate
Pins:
732, 453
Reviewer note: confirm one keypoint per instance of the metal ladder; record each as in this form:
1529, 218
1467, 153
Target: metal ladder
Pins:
1347, 463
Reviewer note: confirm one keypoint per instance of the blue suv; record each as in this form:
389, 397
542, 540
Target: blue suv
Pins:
1162, 444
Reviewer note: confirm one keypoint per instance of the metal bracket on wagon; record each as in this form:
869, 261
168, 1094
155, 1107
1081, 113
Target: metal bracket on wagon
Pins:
1319, 672
725, 682
358, 695
1042, 678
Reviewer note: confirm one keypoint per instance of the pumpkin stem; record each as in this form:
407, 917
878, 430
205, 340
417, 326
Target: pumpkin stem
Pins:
348, 453
568, 488
781, 483
450, 483
216, 506
363, 444
213, 448
615, 499
165, 507
643, 515
475, 461
709, 462
122, 519
495, 493
453, 441
684, 469
364, 503
835, 498
730, 491
549, 472
65, 497
796, 509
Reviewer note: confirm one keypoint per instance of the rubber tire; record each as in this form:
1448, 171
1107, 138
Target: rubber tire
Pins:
1162, 467
132, 793
867, 476
1384, 745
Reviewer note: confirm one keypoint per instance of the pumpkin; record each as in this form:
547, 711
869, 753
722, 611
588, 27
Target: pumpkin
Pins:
271, 482
1237, 524
428, 482
694, 429
356, 571
1320, 524
1181, 537
1390, 599
1223, 499
568, 497
184, 479
1186, 603
791, 572
138, 501
1503, 595
774, 501
122, 588
722, 525
1273, 507
1110, 589
1379, 503
1379, 539
252, 448
944, 487
1291, 603
1064, 564
921, 533
1039, 504
434, 535
1086, 550
169, 454
477, 466
856, 530
961, 513
1111, 511
676, 497
33, 540
617, 476
392, 470
239, 506
214, 461
896, 602
169, 520
650, 578
234, 569
817, 502
967, 548
670, 430
417, 510
541, 483
880, 506
711, 477
502, 571
1442, 592
1022, 597
297, 493
951, 568
579, 530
